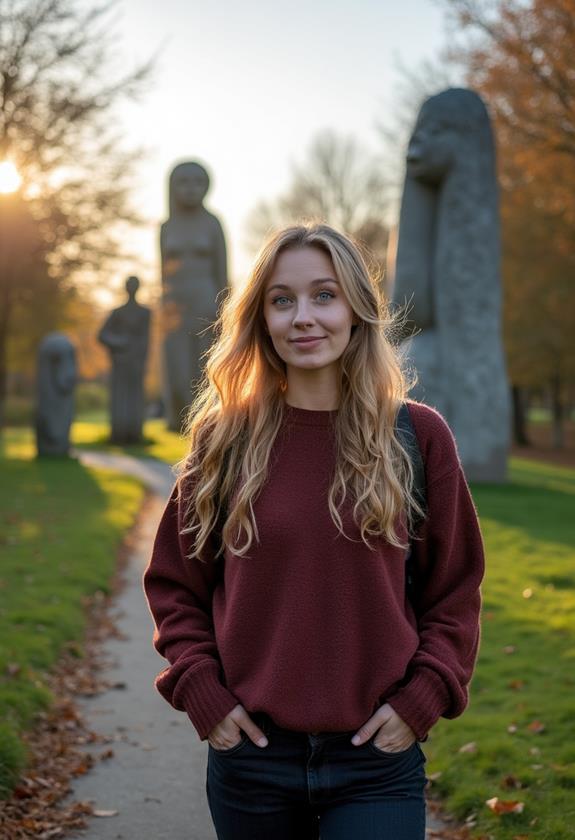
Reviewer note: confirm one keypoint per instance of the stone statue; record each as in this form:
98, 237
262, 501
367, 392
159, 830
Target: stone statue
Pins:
194, 273
447, 272
56, 379
126, 334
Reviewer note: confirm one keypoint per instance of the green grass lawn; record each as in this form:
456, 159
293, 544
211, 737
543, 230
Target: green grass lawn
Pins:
92, 432
60, 528
522, 711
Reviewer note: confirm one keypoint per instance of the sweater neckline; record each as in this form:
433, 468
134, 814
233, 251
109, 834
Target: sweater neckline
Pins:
309, 417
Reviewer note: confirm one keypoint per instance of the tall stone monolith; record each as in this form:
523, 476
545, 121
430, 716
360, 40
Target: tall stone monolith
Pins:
56, 380
447, 271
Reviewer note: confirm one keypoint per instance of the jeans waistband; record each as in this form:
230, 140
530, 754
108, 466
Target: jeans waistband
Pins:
267, 725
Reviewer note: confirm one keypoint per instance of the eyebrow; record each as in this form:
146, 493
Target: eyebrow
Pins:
313, 283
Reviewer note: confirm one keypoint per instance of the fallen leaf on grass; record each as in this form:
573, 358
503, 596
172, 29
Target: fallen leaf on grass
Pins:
510, 782
516, 685
102, 813
508, 649
536, 727
471, 747
505, 806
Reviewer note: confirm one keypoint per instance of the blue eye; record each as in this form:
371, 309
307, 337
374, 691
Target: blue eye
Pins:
323, 292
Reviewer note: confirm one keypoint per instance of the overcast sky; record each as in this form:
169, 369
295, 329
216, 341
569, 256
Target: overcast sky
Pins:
243, 86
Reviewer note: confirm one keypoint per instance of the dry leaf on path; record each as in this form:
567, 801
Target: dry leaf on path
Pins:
98, 812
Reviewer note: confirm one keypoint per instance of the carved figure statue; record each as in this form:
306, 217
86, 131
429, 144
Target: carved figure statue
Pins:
56, 379
126, 333
448, 272
194, 272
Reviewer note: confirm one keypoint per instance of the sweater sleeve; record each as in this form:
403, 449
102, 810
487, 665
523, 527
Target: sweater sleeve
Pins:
179, 593
449, 566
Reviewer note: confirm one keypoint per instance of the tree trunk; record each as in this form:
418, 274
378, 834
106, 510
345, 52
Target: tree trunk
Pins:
557, 412
5, 311
519, 403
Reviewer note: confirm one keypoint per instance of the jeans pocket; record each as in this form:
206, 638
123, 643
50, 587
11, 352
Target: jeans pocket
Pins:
231, 750
388, 753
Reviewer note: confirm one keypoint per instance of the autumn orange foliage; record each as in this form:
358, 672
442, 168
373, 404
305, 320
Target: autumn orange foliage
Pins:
519, 56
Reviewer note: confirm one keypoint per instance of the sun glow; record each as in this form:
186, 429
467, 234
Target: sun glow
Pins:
9, 178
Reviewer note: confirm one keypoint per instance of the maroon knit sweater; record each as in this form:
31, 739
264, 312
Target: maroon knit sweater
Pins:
314, 628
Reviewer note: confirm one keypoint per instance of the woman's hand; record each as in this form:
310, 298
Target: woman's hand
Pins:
392, 733
227, 733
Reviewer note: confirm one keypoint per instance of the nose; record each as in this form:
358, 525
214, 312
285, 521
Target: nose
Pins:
302, 316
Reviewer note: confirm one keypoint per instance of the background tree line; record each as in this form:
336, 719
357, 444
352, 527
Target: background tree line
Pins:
59, 90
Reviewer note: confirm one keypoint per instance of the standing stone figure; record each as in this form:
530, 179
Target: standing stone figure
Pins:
125, 334
56, 379
194, 272
447, 272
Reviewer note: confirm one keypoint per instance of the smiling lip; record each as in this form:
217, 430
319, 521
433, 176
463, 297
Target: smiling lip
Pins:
310, 340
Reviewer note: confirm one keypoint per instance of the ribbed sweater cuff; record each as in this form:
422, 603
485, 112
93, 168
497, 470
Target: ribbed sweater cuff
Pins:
421, 702
205, 700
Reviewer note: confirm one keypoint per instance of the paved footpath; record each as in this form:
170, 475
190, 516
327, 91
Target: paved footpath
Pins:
156, 778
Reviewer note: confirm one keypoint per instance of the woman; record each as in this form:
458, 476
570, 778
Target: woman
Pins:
277, 581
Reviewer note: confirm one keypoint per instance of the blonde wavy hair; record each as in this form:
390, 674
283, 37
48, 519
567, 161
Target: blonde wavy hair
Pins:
239, 406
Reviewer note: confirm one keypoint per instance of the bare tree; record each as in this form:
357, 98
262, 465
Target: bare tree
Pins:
59, 92
339, 183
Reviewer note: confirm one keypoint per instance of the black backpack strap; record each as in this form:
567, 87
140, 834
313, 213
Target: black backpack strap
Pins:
408, 439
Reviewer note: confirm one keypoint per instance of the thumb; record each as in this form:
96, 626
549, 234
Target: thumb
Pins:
253, 731
369, 728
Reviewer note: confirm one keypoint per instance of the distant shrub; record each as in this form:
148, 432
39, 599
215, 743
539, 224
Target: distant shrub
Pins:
19, 411
91, 396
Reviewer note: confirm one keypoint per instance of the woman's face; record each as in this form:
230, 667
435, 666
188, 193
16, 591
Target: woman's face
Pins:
306, 312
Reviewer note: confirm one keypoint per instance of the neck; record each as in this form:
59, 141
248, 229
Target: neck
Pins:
313, 391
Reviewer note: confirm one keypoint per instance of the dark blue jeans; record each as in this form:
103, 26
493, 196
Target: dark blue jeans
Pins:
308, 786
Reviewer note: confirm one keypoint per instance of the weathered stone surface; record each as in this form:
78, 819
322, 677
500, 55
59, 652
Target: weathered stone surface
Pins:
194, 272
448, 272
56, 379
126, 333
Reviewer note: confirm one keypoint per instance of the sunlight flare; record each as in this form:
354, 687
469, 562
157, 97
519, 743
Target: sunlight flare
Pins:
10, 180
